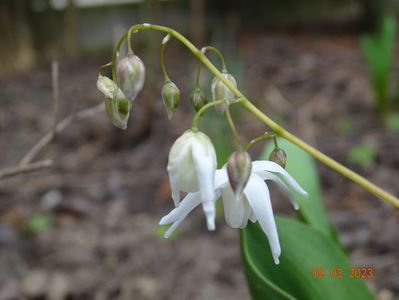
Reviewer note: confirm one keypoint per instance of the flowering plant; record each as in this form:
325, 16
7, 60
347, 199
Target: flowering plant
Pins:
241, 182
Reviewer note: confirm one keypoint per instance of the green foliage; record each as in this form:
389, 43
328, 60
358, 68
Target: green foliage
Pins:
392, 122
303, 168
346, 126
161, 229
219, 133
362, 155
38, 223
304, 250
378, 51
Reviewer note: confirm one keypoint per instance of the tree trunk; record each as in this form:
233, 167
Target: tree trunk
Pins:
16, 52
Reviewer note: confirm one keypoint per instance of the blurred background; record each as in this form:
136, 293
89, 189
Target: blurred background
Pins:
86, 228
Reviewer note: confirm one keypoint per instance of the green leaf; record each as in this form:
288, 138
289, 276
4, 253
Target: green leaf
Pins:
161, 229
303, 168
362, 155
378, 52
392, 122
346, 126
304, 250
217, 129
39, 223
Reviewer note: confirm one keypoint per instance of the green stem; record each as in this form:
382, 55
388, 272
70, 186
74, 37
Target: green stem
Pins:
203, 50
129, 40
115, 53
103, 67
260, 138
280, 131
276, 147
202, 110
197, 74
165, 73
233, 128
329, 162
209, 105
214, 49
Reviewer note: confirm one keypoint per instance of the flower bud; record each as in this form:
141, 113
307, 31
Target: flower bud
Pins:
192, 168
118, 109
221, 92
239, 167
170, 97
106, 86
130, 72
278, 156
198, 98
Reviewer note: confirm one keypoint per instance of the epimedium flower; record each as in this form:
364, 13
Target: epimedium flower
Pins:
191, 168
253, 204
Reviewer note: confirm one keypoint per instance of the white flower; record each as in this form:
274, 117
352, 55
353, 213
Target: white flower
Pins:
191, 168
254, 204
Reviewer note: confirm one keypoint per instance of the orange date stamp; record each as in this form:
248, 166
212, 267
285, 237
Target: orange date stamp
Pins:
339, 273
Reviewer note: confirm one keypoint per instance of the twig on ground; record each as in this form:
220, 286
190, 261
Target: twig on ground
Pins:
46, 139
27, 168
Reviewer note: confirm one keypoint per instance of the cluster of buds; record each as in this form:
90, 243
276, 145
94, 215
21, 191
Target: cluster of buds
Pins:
120, 95
129, 76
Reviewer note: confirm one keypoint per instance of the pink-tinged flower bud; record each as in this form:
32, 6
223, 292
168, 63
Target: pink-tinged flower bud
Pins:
221, 92
278, 156
118, 109
170, 97
130, 72
198, 98
106, 86
239, 167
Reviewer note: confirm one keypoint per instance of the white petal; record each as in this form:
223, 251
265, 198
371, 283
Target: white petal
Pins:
180, 168
177, 215
258, 197
187, 205
260, 166
236, 209
174, 186
281, 184
221, 178
252, 216
204, 158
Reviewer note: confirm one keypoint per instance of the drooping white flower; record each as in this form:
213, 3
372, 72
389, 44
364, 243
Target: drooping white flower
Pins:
254, 203
191, 168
